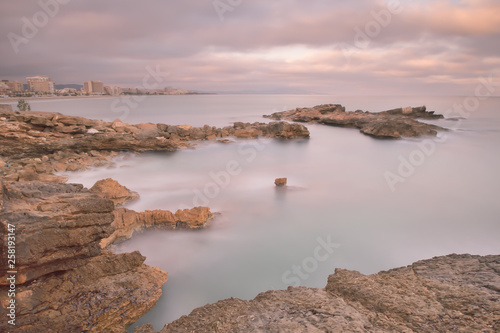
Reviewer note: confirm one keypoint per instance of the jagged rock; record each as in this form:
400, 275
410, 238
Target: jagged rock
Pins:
34, 134
42, 121
194, 218
127, 221
110, 189
107, 293
394, 123
58, 224
64, 281
455, 293
280, 182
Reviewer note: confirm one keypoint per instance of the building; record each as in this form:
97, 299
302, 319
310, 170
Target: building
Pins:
41, 84
93, 87
4, 88
14, 86
113, 90
11, 87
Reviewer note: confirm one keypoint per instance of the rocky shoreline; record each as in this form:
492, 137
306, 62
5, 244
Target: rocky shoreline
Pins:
390, 124
454, 293
67, 282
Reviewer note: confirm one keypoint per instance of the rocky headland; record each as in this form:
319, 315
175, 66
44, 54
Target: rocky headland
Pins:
454, 293
391, 124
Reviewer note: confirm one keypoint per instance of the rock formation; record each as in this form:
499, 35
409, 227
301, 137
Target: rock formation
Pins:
127, 221
455, 293
391, 124
34, 134
34, 145
280, 182
64, 281
111, 189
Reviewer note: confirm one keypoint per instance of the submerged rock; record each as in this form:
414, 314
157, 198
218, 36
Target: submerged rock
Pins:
391, 124
452, 293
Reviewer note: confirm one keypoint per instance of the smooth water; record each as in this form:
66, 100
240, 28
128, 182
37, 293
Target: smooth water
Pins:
445, 201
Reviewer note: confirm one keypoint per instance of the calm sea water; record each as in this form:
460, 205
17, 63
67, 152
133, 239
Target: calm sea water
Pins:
339, 210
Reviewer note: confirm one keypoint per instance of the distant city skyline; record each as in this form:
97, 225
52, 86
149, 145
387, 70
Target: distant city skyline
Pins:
403, 47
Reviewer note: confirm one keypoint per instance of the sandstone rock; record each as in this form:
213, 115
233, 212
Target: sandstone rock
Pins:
33, 176
111, 189
147, 130
247, 133
127, 221
70, 129
65, 283
58, 224
60, 167
387, 124
192, 218
19, 138
280, 182
106, 294
41, 121
455, 293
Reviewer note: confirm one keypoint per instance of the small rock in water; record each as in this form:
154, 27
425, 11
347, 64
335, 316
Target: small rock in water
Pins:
280, 182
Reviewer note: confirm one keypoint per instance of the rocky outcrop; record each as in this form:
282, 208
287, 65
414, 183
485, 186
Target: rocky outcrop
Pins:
110, 189
58, 225
391, 124
455, 293
280, 182
127, 221
34, 134
64, 281
34, 145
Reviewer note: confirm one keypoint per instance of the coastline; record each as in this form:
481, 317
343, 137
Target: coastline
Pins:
35, 163
12, 100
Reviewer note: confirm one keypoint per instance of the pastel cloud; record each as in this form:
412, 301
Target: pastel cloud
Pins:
297, 46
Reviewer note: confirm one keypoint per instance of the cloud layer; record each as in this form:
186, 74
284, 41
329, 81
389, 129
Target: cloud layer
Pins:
366, 47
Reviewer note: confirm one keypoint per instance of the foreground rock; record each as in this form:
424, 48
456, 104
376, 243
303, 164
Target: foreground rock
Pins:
65, 282
127, 221
392, 124
455, 293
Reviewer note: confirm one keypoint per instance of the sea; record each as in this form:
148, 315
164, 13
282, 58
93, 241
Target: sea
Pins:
352, 201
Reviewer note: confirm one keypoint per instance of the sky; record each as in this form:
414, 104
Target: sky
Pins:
390, 47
